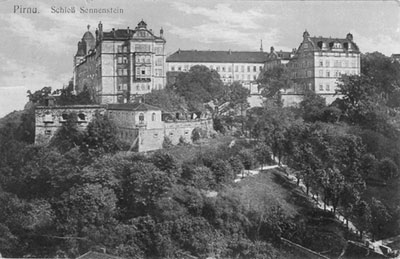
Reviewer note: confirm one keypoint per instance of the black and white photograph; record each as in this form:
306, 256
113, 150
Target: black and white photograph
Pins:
214, 129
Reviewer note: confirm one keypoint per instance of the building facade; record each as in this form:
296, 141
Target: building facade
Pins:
277, 58
242, 66
49, 119
319, 62
118, 65
139, 125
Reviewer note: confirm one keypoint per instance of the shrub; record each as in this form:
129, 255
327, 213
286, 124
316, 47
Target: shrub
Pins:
167, 143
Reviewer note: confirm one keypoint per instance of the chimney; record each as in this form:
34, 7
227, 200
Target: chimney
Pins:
113, 31
272, 49
128, 30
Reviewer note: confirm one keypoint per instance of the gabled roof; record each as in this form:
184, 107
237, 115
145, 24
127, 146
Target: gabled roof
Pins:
218, 56
285, 55
124, 34
97, 255
132, 107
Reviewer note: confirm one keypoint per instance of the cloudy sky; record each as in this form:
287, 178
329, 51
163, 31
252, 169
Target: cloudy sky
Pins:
36, 50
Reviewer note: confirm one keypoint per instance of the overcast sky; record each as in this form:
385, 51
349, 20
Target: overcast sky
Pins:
36, 50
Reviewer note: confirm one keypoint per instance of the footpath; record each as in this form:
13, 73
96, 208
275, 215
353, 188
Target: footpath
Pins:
319, 203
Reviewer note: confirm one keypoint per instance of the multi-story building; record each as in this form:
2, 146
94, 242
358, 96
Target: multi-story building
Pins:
277, 58
118, 65
243, 66
319, 62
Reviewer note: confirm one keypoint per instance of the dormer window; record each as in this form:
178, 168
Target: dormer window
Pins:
337, 45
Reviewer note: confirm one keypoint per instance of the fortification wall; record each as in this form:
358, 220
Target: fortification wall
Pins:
152, 139
49, 119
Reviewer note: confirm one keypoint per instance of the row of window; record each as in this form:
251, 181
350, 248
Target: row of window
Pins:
337, 63
327, 87
141, 48
49, 118
337, 73
242, 68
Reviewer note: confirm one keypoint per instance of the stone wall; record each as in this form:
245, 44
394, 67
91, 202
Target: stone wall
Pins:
48, 119
152, 139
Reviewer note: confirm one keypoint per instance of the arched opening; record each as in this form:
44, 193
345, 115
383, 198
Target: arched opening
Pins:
153, 116
141, 118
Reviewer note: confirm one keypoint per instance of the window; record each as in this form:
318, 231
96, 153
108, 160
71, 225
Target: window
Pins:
119, 49
236, 68
308, 73
248, 68
321, 87
260, 68
328, 73
327, 63
153, 116
48, 118
223, 69
327, 87
321, 73
173, 68
159, 61
81, 117
217, 68
242, 69
119, 60
125, 72
125, 49
254, 69
321, 63
141, 118
229, 69
47, 132
64, 117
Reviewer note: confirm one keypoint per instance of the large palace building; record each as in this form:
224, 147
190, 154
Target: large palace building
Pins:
116, 66
242, 66
318, 63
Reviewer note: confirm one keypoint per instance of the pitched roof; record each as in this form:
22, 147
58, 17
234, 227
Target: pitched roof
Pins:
125, 34
133, 107
317, 42
218, 56
97, 255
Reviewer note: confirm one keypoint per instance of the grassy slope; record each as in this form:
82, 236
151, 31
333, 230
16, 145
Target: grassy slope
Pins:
270, 189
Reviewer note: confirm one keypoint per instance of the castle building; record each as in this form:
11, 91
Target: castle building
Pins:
117, 65
318, 63
242, 66
277, 58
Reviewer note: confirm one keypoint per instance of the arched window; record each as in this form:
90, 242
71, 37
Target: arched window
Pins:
153, 116
141, 118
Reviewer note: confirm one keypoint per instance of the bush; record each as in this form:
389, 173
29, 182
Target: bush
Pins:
387, 169
167, 143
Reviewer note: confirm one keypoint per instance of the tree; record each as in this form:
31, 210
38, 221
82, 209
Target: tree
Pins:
237, 96
273, 80
312, 106
39, 97
380, 217
362, 216
68, 136
101, 135
198, 86
387, 169
167, 100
